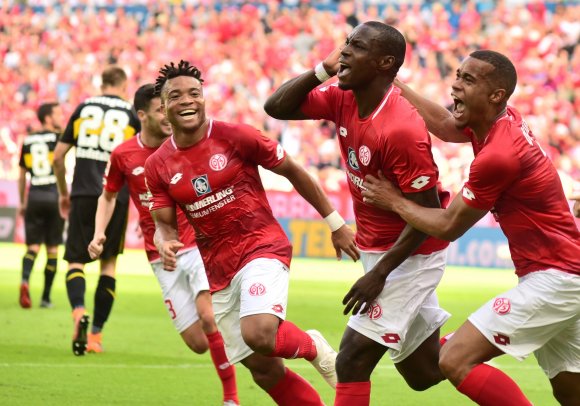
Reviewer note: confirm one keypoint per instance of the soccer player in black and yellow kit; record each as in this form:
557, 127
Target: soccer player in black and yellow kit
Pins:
95, 128
39, 202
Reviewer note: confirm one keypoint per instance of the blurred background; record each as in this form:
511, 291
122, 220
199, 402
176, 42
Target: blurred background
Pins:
54, 50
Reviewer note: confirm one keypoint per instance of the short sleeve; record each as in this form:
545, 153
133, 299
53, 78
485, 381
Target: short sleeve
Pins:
256, 147
409, 158
320, 103
114, 176
157, 188
490, 175
68, 135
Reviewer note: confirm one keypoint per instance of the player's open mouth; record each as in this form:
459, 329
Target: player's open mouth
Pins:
188, 114
458, 107
343, 69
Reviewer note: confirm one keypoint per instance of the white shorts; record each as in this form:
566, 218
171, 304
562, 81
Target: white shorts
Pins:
540, 315
181, 287
407, 311
260, 287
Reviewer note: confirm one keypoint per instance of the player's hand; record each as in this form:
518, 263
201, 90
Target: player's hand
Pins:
96, 246
168, 252
343, 241
379, 192
64, 206
330, 63
363, 293
576, 208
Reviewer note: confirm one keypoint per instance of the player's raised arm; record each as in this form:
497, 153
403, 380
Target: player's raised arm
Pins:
439, 120
105, 209
309, 189
166, 237
284, 103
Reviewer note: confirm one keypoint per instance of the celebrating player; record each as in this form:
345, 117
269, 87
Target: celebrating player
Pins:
378, 130
42, 221
186, 290
210, 170
96, 127
512, 177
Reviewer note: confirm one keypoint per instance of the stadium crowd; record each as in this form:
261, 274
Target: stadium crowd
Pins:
56, 49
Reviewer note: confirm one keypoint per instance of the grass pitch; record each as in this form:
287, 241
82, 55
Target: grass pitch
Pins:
146, 363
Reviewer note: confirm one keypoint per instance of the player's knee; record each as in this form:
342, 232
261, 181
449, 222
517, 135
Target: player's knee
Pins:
269, 377
451, 367
260, 341
424, 381
351, 368
197, 344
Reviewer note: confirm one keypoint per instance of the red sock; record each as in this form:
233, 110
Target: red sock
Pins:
445, 338
293, 390
488, 386
225, 370
353, 394
291, 342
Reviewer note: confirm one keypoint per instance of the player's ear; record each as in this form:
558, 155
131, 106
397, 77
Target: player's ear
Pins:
141, 115
386, 62
497, 96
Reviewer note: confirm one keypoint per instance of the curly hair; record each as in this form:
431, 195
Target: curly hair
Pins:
183, 68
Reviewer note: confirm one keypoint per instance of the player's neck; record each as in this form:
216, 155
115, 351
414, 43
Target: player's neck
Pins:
368, 99
150, 140
113, 91
482, 131
184, 139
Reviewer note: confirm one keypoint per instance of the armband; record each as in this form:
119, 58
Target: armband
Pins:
334, 221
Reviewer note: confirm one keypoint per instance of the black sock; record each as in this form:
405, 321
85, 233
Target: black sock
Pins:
75, 287
104, 297
27, 264
49, 273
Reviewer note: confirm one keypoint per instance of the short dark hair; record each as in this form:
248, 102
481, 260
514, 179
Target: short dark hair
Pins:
143, 97
504, 75
171, 71
392, 43
45, 110
113, 76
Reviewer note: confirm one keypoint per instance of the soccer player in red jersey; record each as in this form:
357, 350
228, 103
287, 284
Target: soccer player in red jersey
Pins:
512, 177
185, 290
378, 130
210, 170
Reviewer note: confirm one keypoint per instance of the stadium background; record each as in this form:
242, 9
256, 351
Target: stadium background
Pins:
55, 50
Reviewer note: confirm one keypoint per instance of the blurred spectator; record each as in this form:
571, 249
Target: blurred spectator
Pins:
55, 49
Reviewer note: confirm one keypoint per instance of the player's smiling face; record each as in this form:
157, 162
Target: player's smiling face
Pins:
184, 103
471, 92
358, 58
156, 121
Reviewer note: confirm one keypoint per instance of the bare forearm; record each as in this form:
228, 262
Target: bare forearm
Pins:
431, 221
105, 209
59, 172
22, 189
312, 192
285, 102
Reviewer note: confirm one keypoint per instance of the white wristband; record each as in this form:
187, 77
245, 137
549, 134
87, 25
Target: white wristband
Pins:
321, 73
334, 221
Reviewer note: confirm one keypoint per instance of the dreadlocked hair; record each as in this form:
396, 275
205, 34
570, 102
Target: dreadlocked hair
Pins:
184, 68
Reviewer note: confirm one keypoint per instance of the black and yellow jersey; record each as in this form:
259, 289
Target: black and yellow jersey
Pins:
95, 128
36, 157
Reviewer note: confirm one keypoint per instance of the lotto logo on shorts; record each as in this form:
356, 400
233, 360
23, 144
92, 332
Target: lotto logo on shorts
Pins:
502, 306
391, 338
501, 339
278, 308
375, 312
257, 289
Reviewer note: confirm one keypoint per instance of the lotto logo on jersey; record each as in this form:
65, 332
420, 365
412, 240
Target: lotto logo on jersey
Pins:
279, 152
138, 171
502, 305
468, 194
353, 163
375, 312
364, 155
257, 289
420, 182
201, 185
218, 162
176, 178
342, 131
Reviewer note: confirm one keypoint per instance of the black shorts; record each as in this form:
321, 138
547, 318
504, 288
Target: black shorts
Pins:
42, 223
81, 228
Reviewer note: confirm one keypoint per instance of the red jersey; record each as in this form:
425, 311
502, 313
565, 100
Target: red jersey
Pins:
512, 176
393, 139
127, 165
217, 184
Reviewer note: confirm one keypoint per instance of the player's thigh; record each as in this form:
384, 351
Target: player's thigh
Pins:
531, 315
178, 296
115, 231
54, 225
34, 224
357, 357
81, 228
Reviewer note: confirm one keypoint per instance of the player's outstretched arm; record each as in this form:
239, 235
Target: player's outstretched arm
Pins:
311, 191
439, 120
166, 237
60, 152
105, 208
284, 103
367, 288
